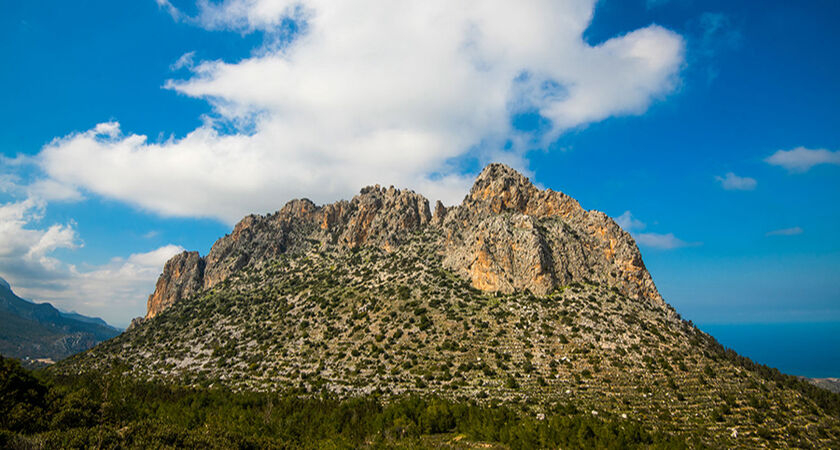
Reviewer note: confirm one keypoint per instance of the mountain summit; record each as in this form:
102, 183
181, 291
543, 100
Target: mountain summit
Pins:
516, 296
506, 235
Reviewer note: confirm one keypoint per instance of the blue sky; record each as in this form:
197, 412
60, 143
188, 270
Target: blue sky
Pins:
131, 130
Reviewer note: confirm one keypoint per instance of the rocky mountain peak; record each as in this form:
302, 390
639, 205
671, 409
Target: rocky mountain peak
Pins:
377, 216
301, 208
501, 188
506, 235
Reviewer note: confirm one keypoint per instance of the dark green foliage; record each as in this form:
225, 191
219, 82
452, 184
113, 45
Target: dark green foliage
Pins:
108, 410
321, 323
23, 399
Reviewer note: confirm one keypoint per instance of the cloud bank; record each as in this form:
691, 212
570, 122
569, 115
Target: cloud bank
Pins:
364, 92
27, 260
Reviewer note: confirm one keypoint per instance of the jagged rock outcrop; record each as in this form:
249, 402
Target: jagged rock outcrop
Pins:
509, 235
182, 277
377, 216
506, 235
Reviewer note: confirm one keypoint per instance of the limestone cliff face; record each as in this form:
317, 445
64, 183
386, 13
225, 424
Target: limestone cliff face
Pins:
506, 235
377, 216
509, 235
182, 277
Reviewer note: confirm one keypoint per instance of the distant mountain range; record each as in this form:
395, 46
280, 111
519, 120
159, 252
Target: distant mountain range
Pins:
831, 384
39, 334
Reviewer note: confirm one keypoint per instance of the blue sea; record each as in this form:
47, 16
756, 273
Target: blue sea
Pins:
808, 349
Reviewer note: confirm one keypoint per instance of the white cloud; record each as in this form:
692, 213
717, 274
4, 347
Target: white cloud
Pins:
25, 249
633, 225
629, 223
55, 237
155, 258
40, 190
732, 182
801, 159
370, 92
116, 291
785, 232
51, 190
170, 8
17, 240
662, 241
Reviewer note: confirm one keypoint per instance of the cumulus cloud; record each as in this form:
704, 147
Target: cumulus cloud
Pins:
369, 92
116, 291
785, 232
801, 159
26, 247
732, 182
39, 191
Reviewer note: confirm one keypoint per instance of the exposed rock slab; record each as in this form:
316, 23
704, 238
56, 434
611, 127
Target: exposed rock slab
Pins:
182, 277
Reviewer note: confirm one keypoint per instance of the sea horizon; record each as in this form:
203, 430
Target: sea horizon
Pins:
810, 349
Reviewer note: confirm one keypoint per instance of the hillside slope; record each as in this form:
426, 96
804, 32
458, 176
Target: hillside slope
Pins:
516, 296
38, 331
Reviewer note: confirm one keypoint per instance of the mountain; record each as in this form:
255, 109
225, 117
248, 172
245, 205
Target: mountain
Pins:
516, 296
506, 236
39, 334
81, 318
831, 384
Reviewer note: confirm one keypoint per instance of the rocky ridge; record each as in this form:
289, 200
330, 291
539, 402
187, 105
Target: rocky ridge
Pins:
506, 235
517, 295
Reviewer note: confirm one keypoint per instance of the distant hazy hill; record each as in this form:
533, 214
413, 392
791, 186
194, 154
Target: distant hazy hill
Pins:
517, 296
831, 384
38, 333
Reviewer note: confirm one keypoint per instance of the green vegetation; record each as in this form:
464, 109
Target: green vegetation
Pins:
369, 324
109, 410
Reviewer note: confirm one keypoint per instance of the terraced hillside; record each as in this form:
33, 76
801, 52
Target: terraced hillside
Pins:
399, 313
